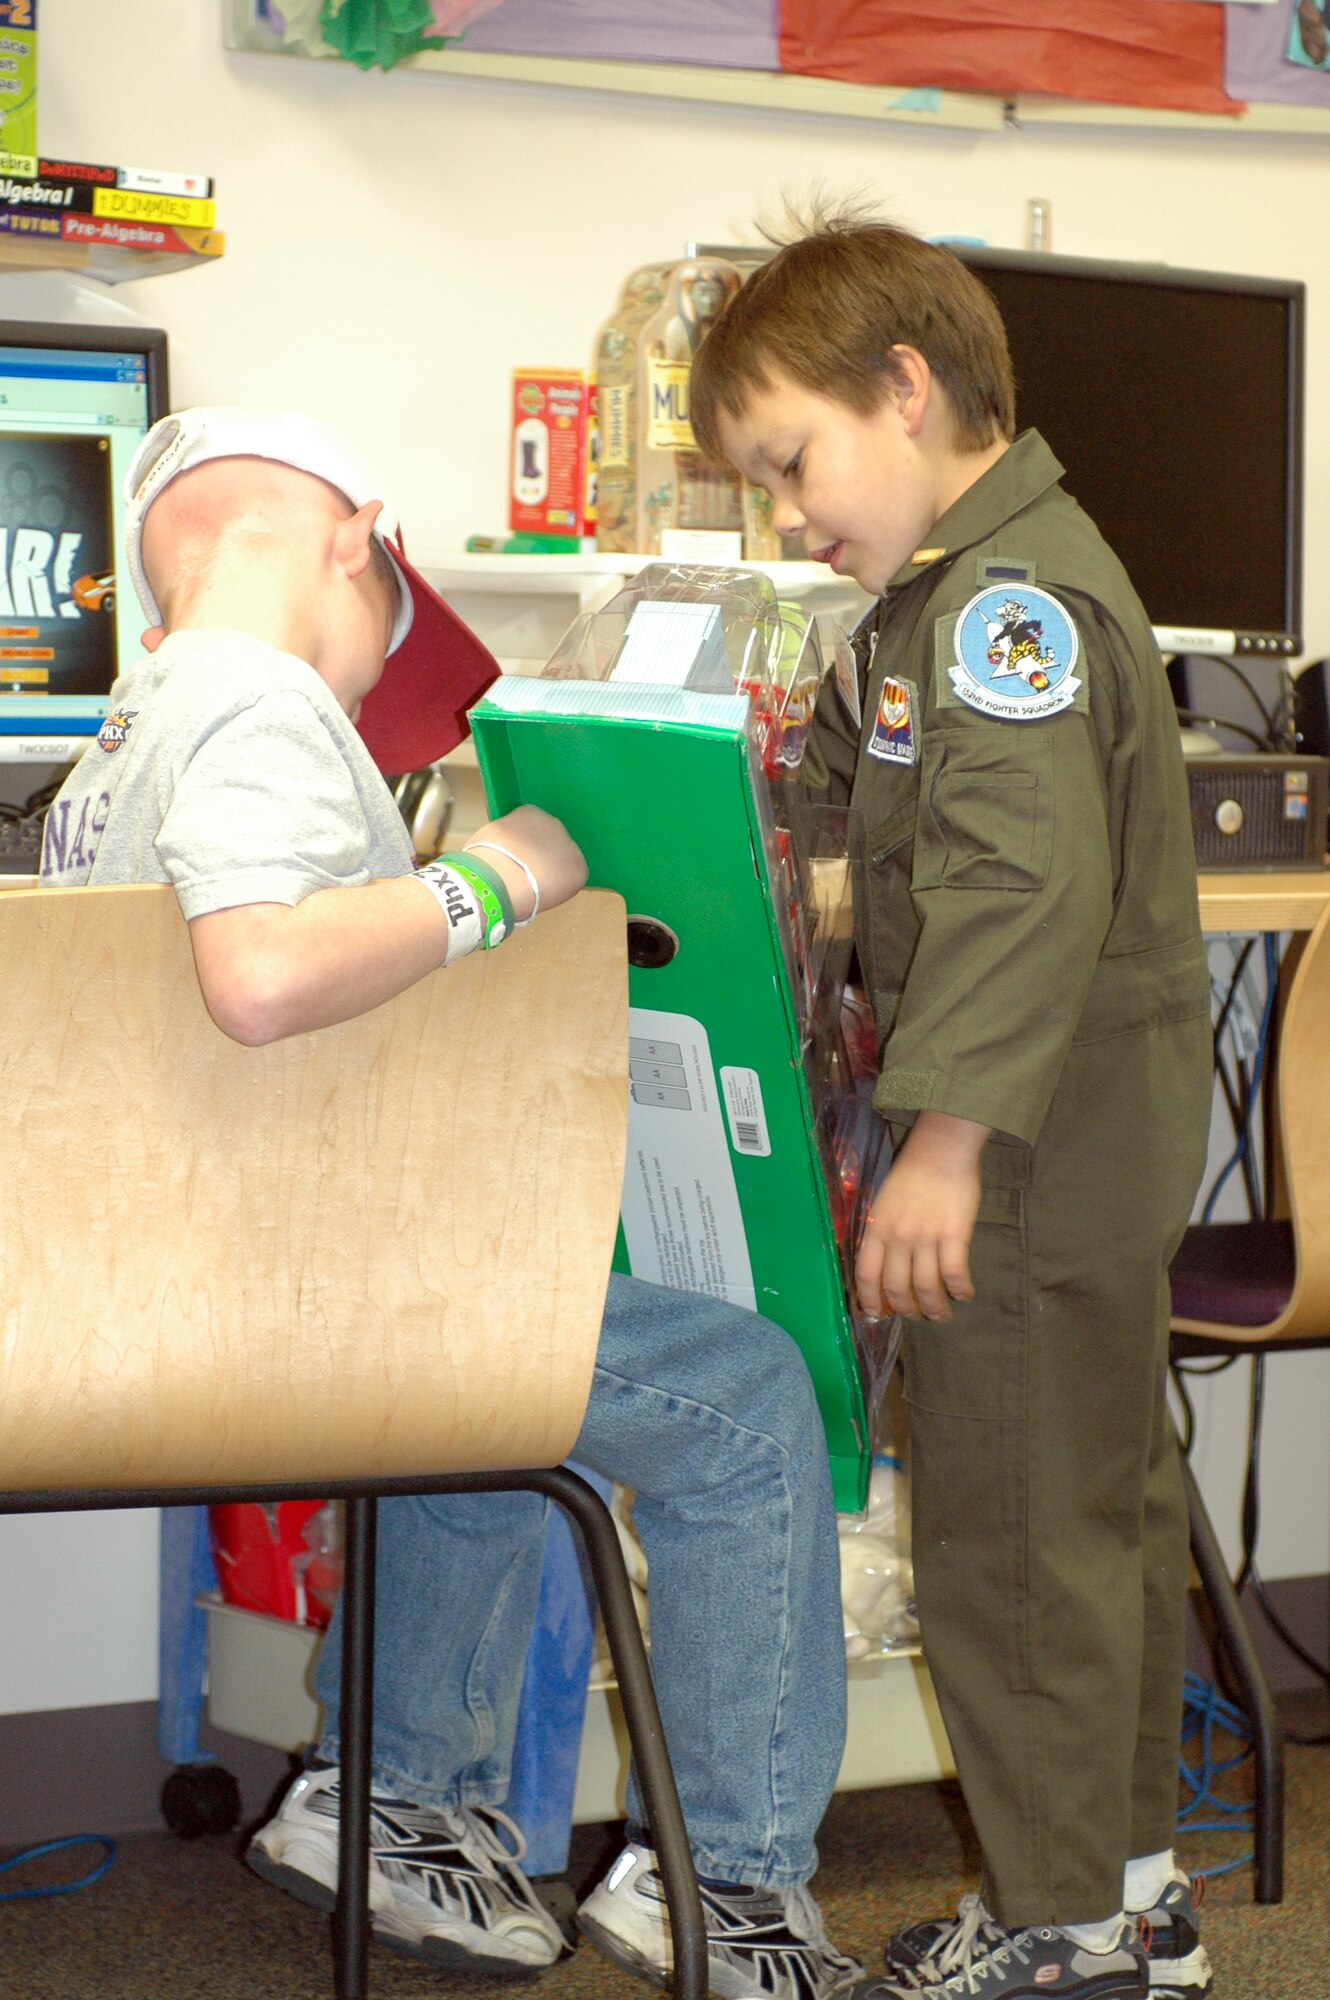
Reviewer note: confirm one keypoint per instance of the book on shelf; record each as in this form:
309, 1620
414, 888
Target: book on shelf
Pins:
143, 180
110, 222
111, 251
70, 197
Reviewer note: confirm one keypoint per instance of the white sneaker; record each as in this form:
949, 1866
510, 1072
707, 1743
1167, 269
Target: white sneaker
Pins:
443, 1885
762, 1944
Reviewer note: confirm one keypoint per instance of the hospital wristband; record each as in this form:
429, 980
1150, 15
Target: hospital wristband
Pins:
474, 899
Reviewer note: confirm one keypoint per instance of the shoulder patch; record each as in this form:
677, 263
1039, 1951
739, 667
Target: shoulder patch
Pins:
1013, 650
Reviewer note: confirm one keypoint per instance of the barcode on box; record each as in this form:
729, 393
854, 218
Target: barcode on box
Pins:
742, 1090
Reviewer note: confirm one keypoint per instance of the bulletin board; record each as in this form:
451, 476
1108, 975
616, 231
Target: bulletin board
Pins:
1262, 65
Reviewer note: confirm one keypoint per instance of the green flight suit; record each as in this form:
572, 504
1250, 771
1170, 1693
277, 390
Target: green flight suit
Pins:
1031, 944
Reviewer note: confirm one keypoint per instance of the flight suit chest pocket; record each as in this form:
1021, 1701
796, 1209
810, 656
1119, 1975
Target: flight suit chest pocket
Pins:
986, 820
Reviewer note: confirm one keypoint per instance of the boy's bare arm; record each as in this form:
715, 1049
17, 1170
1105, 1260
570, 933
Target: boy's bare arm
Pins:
273, 969
915, 1254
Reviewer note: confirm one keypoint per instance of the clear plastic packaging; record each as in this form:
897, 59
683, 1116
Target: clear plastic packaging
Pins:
317, 1569
877, 1573
729, 611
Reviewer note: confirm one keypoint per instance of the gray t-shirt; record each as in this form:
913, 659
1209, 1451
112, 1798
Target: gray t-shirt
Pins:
227, 769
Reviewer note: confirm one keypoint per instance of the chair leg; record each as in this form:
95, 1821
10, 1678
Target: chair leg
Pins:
669, 1836
351, 1921
1258, 1701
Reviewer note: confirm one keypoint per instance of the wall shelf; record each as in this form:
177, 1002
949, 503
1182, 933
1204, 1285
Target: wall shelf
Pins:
111, 263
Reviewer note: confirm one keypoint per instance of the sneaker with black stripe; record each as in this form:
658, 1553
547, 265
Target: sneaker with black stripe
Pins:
762, 1944
1179, 1965
1027, 1965
444, 1886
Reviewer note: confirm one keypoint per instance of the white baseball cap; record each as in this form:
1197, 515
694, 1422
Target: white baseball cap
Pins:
436, 667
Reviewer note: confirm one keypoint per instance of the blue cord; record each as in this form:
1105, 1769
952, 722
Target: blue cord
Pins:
1239, 1153
1203, 1711
52, 1847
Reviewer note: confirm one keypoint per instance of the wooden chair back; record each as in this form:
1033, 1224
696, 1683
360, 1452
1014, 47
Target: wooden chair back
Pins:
1302, 1111
377, 1249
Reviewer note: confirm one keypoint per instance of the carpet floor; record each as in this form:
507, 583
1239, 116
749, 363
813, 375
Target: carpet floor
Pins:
176, 1920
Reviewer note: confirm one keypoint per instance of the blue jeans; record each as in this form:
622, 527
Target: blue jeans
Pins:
707, 1412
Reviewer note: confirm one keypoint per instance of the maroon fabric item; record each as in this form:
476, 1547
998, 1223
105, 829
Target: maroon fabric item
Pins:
418, 710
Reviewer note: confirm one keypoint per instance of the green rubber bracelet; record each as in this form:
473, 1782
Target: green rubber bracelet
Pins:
490, 891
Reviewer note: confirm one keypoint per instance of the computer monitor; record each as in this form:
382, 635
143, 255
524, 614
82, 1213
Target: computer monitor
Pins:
1174, 399
75, 401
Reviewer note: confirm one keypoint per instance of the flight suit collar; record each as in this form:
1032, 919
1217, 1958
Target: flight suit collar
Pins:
1025, 470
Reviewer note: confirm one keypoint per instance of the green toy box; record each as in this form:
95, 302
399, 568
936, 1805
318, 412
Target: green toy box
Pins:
665, 756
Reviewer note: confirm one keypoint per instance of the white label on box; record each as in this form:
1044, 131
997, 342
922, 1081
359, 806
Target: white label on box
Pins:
747, 1115
704, 545
681, 1216
675, 645
847, 678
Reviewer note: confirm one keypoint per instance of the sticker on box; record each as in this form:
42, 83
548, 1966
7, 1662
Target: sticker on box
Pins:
682, 1222
744, 1109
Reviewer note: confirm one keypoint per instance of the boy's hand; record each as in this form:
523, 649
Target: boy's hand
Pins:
915, 1254
549, 851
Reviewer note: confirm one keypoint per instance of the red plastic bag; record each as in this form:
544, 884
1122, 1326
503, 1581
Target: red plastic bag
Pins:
283, 1558
1150, 52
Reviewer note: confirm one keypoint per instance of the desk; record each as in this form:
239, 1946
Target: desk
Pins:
1282, 900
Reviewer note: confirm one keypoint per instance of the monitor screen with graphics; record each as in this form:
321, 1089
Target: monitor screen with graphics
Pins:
75, 403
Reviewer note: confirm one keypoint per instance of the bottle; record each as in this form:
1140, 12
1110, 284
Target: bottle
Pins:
676, 487
614, 368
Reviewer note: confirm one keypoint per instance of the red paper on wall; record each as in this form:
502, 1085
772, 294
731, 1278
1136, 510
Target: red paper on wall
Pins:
1148, 52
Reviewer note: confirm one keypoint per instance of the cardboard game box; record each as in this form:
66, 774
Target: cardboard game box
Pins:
663, 787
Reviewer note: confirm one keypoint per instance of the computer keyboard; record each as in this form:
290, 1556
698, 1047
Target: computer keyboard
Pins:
21, 844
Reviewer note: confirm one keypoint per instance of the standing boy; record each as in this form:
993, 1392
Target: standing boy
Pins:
1029, 936
230, 767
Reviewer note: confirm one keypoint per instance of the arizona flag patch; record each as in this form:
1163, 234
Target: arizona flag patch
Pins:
894, 738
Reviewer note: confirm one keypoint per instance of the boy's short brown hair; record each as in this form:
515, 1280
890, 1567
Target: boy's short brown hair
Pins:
826, 311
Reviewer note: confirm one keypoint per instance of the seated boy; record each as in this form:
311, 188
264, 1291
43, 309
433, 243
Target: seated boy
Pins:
1030, 938
231, 768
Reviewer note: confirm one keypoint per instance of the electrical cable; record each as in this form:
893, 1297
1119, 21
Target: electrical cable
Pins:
1204, 1710
36, 802
1242, 1150
1223, 660
1235, 1095
54, 1847
1278, 735
1178, 1370
1221, 722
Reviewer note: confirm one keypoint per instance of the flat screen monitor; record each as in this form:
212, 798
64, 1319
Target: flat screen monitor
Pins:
75, 401
1175, 401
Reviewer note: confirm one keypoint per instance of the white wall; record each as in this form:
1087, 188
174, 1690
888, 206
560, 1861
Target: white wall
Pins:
398, 244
